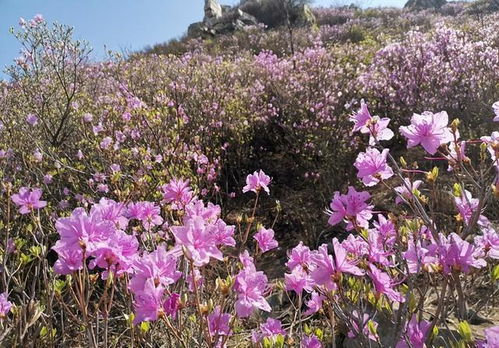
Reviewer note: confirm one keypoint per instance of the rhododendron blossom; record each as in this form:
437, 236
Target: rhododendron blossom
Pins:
28, 200
265, 239
428, 129
372, 166
5, 305
495, 107
351, 207
257, 181
270, 329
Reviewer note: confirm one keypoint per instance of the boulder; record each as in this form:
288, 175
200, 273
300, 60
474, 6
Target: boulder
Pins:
212, 10
424, 4
305, 17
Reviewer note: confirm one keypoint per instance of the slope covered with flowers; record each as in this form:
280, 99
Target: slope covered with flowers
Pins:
243, 193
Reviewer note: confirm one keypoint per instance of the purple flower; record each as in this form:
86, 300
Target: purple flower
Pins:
178, 192
298, 280
352, 207
404, 193
467, 205
250, 286
428, 129
197, 240
219, 323
270, 329
361, 118
147, 212
415, 333
5, 305
372, 166
300, 256
328, 270
159, 265
457, 254
149, 303
28, 200
355, 331
265, 239
257, 181
32, 119
310, 342
488, 242
314, 304
495, 107
383, 284
376, 127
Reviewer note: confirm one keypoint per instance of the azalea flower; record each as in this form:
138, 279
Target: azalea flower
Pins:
372, 166
404, 193
495, 106
314, 304
28, 200
197, 240
219, 323
376, 127
416, 333
428, 129
310, 342
177, 192
328, 270
355, 321
300, 256
383, 284
32, 119
298, 280
265, 239
270, 329
5, 305
257, 181
351, 207
250, 286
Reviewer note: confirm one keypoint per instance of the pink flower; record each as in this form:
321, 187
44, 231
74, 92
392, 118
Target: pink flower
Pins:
493, 145
351, 207
298, 280
149, 302
106, 142
456, 154
361, 118
5, 305
372, 166
32, 119
265, 239
376, 127
428, 129
270, 329
355, 321
495, 106
457, 254
492, 337
250, 286
383, 284
314, 304
257, 181
147, 212
328, 270
223, 234
219, 323
467, 205
415, 333
310, 342
28, 200
488, 242
299, 256
178, 192
159, 265
197, 240
111, 211
404, 193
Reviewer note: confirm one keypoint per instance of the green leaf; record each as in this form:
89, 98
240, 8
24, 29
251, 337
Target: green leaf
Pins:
145, 326
494, 274
465, 331
279, 341
267, 343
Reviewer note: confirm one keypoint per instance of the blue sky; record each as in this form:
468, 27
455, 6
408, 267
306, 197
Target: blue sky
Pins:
121, 25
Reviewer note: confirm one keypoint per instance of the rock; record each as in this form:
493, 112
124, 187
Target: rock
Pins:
305, 17
212, 10
424, 4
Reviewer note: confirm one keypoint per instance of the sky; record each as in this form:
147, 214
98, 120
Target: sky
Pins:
119, 25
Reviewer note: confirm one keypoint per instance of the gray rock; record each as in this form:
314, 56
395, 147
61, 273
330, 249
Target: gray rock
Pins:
212, 10
305, 17
424, 4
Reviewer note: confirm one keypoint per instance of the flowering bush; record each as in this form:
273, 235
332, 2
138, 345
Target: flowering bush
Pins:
127, 213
